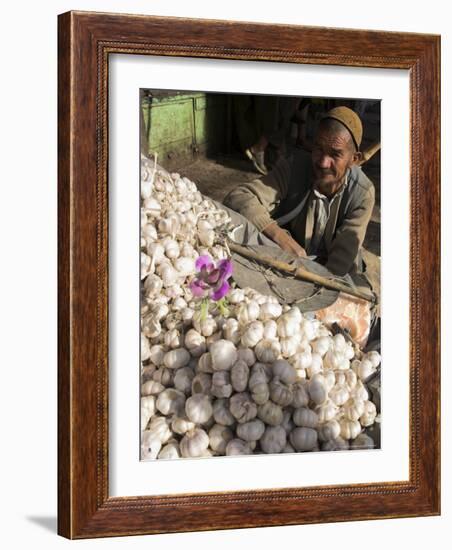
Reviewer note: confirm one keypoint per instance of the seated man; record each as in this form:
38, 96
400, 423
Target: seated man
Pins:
323, 198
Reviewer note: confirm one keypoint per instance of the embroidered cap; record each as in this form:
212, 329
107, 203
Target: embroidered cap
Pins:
350, 120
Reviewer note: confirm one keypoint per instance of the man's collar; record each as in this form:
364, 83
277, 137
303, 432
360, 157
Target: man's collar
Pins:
338, 192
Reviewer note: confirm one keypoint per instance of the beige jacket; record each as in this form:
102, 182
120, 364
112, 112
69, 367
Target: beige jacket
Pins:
264, 200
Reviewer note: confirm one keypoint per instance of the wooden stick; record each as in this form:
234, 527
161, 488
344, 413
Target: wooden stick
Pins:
300, 272
370, 152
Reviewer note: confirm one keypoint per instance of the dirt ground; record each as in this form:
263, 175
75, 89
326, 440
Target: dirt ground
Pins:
216, 177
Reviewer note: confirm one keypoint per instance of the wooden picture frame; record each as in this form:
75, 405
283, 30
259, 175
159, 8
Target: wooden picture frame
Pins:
86, 40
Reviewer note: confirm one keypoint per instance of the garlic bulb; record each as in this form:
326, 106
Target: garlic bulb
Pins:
362, 441
147, 410
287, 326
252, 430
153, 388
330, 430
284, 371
194, 443
273, 440
339, 395
253, 334
300, 395
205, 363
238, 447
247, 355
239, 375
270, 413
150, 445
219, 437
181, 425
269, 311
350, 429
223, 354
183, 379
221, 384
170, 401
305, 417
353, 409
221, 413
159, 428
326, 411
280, 393
270, 330
231, 330
201, 383
195, 343
164, 376
242, 407
258, 386
267, 351
198, 408
337, 444
369, 414
247, 312
303, 439
169, 451
317, 390
176, 358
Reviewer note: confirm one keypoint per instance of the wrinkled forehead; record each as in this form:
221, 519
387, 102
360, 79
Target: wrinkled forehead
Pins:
336, 137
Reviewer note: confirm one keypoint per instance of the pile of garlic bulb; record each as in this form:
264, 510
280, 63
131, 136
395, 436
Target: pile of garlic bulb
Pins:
263, 379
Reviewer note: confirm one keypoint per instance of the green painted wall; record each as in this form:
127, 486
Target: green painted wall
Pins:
179, 126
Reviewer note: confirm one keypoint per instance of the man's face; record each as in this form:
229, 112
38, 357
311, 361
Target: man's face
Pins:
332, 154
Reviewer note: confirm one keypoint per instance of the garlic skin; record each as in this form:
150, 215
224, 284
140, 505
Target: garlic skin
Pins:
201, 383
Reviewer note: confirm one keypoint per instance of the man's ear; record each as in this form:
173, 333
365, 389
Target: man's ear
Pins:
357, 158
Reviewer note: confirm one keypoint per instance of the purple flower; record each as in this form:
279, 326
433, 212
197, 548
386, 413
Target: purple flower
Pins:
211, 279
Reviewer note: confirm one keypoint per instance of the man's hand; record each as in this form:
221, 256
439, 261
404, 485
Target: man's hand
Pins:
284, 240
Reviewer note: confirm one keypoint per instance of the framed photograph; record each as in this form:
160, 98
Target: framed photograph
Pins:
248, 275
